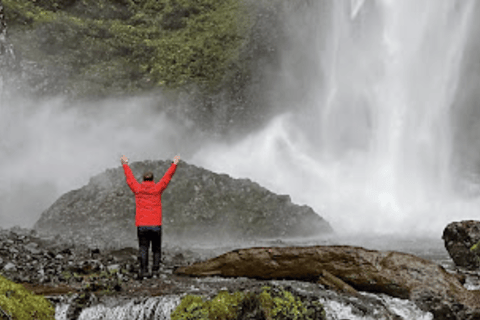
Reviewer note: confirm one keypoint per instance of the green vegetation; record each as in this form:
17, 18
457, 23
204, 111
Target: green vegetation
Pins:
217, 59
21, 304
475, 248
110, 46
269, 304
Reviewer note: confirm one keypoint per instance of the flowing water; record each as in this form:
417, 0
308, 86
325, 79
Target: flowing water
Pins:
369, 146
161, 308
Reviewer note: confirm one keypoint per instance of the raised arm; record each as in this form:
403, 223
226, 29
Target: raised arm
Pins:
163, 183
131, 181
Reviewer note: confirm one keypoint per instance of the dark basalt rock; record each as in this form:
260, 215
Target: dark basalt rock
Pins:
396, 274
199, 207
460, 239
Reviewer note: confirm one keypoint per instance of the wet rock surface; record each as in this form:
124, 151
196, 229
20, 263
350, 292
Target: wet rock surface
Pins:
346, 269
198, 206
460, 240
84, 277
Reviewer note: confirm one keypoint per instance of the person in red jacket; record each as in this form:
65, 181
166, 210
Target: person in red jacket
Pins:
148, 218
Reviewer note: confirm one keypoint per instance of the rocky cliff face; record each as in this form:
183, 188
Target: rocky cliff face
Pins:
3, 29
8, 61
3, 42
199, 207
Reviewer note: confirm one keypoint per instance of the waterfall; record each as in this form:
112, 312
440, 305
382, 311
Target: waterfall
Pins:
369, 143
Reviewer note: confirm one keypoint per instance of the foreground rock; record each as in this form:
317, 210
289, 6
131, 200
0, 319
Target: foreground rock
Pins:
461, 241
199, 207
349, 269
79, 278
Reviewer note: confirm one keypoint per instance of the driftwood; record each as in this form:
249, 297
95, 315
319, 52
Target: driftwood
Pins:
348, 269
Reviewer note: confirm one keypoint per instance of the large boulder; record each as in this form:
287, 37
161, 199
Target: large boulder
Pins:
199, 207
349, 269
461, 241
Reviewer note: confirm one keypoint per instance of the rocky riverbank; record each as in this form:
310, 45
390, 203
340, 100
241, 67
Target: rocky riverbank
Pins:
80, 278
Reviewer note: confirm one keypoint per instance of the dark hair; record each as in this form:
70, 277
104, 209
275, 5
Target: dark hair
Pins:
148, 176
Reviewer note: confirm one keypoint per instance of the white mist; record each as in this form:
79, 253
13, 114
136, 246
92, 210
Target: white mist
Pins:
371, 148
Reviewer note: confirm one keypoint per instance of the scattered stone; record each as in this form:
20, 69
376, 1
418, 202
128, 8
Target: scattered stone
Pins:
113, 267
10, 267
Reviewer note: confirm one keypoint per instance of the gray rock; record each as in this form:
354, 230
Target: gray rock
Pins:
32, 250
199, 207
114, 267
460, 240
31, 245
10, 267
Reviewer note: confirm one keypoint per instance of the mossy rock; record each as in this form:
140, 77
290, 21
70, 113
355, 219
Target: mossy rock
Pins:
21, 304
271, 303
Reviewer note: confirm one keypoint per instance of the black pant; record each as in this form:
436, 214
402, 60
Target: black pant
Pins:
147, 234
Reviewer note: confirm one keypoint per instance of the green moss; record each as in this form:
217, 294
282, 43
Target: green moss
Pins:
67, 275
269, 304
475, 248
166, 43
21, 304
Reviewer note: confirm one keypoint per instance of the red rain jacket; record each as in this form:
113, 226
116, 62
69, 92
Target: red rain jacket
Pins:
148, 197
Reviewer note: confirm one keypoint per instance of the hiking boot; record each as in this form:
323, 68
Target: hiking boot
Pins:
143, 274
157, 260
155, 272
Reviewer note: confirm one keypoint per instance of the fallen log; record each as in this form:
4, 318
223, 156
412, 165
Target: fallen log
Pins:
396, 274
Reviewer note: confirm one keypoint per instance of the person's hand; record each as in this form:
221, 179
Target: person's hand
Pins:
176, 159
124, 160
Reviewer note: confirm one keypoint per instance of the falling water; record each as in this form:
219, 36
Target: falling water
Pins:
158, 308
369, 146
161, 308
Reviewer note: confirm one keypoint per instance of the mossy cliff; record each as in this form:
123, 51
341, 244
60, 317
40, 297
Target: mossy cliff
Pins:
95, 48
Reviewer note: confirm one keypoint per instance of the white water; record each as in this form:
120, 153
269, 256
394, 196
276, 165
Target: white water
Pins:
371, 150
405, 309
160, 308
